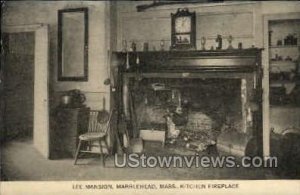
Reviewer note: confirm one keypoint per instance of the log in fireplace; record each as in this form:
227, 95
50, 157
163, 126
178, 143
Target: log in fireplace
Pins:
194, 96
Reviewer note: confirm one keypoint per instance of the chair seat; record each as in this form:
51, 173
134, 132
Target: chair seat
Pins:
96, 131
92, 136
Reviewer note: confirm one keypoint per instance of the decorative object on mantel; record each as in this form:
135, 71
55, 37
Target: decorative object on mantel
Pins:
219, 42
240, 45
124, 46
203, 41
183, 30
230, 39
133, 46
146, 46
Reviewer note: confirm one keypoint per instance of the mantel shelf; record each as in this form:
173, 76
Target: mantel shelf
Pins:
283, 46
245, 60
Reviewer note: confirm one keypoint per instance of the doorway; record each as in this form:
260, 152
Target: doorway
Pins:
18, 85
32, 44
282, 108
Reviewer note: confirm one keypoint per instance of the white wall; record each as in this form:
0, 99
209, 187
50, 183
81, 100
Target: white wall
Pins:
32, 12
154, 25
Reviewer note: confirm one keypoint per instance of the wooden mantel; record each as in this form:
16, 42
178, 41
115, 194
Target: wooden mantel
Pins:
246, 60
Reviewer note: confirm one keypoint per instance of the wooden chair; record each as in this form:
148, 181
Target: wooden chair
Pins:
99, 123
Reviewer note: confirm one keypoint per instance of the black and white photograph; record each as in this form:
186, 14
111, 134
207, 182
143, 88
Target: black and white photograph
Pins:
151, 96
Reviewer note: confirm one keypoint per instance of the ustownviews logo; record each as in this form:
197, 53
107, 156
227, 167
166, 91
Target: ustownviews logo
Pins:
147, 161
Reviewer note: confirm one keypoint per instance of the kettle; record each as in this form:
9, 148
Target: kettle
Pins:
73, 98
65, 99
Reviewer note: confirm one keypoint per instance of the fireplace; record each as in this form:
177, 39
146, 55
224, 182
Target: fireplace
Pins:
193, 96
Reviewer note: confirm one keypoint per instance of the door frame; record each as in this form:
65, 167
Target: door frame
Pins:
41, 134
266, 106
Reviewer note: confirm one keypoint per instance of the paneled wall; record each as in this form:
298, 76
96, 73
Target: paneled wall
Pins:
154, 25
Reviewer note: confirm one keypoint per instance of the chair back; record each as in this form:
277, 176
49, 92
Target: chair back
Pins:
96, 124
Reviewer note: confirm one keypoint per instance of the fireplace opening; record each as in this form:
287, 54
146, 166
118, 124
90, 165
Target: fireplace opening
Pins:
192, 112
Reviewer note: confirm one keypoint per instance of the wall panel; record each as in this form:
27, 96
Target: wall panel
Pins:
154, 25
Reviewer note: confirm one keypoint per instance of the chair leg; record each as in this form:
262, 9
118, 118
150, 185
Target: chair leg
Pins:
77, 152
106, 145
102, 153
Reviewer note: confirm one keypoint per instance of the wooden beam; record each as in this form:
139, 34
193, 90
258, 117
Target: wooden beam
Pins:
144, 7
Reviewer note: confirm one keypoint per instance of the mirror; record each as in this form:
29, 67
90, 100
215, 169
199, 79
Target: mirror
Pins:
73, 44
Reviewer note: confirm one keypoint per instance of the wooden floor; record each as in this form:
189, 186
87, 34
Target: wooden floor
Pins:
20, 161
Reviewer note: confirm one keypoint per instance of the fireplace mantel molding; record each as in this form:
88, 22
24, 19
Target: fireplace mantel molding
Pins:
244, 60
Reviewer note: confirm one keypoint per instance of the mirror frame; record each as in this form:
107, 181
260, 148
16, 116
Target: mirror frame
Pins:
60, 75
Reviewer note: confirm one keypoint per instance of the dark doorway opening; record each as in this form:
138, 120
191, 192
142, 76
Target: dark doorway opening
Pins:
18, 85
